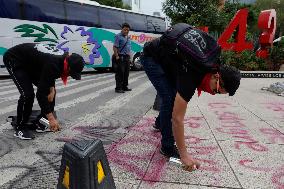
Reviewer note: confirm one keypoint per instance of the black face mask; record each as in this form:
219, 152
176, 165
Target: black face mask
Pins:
74, 75
76, 65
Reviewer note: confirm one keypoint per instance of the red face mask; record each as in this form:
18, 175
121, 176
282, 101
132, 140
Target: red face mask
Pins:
205, 85
65, 72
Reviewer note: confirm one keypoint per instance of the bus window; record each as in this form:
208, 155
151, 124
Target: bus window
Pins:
45, 11
82, 14
111, 19
137, 22
156, 25
10, 9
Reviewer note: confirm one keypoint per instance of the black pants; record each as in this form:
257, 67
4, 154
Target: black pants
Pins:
25, 86
122, 72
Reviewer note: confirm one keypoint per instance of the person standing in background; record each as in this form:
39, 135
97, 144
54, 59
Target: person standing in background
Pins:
122, 49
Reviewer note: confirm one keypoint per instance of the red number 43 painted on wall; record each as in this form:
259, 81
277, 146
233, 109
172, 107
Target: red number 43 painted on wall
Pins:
266, 23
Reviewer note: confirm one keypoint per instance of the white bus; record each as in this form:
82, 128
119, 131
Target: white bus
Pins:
83, 27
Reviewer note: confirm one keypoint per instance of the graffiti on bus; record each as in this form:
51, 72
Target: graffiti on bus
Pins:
90, 40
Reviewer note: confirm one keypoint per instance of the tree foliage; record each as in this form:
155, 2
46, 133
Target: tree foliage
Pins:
190, 10
113, 3
207, 13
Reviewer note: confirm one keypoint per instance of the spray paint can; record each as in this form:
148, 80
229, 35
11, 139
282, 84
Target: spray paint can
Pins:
44, 121
175, 161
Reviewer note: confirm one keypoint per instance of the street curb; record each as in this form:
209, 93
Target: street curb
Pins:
262, 74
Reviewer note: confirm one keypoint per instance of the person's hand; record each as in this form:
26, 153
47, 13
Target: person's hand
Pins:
117, 57
189, 164
54, 125
51, 95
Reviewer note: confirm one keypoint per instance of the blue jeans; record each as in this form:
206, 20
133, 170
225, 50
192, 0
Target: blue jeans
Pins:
167, 94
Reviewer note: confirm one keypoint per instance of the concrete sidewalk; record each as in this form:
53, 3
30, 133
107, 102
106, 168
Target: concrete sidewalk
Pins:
238, 140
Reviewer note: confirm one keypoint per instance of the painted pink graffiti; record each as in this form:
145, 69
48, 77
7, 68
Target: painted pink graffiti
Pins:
192, 122
123, 158
278, 178
142, 38
129, 162
145, 136
218, 105
274, 135
232, 124
246, 162
206, 164
277, 107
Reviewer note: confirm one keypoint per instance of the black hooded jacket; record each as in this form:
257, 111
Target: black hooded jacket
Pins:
43, 63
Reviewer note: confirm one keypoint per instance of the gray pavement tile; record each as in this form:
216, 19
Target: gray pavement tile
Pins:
160, 185
196, 126
267, 109
164, 185
247, 131
126, 183
193, 110
228, 122
256, 167
214, 171
224, 108
8, 143
130, 157
250, 101
279, 125
43, 173
194, 122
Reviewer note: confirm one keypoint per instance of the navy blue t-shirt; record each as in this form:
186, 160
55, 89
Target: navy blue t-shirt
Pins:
123, 43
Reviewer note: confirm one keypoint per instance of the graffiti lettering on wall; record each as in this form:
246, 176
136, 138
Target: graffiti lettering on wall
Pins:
142, 38
91, 41
40, 35
77, 39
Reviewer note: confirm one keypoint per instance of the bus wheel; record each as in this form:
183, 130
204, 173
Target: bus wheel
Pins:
136, 64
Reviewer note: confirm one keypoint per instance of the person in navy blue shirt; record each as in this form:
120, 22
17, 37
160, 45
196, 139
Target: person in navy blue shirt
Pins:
121, 50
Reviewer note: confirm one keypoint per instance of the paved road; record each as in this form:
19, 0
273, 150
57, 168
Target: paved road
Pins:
238, 140
90, 107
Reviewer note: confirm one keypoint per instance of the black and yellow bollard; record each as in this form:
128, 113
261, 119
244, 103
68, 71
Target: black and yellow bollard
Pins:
84, 165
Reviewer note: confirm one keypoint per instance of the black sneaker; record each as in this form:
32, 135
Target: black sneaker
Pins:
127, 89
42, 128
170, 152
156, 128
119, 91
24, 134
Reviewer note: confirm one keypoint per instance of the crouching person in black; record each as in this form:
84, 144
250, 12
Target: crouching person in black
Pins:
182, 60
41, 65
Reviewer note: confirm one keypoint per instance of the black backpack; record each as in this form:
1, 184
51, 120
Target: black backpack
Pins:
194, 47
